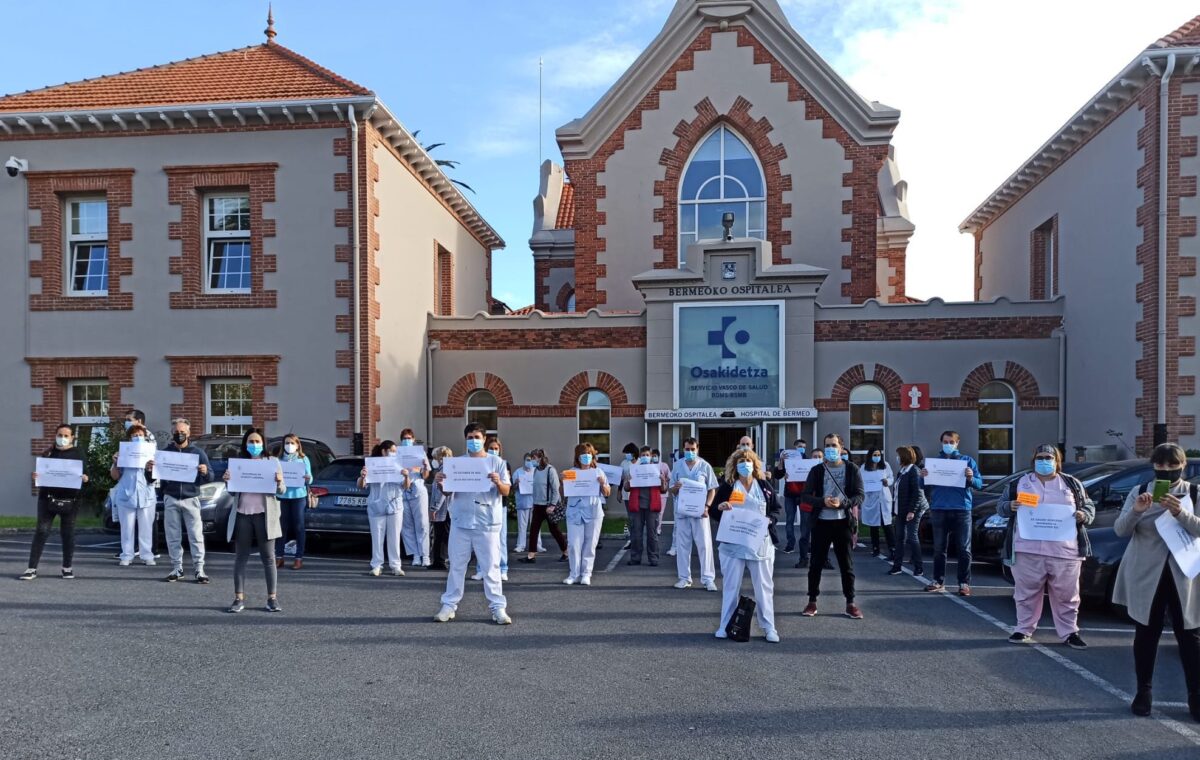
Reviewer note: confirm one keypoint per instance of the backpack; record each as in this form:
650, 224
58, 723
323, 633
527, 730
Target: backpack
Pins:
738, 628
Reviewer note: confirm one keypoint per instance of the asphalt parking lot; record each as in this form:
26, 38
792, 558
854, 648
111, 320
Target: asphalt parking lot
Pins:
120, 664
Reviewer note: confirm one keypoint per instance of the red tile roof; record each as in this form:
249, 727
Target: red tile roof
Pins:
257, 73
523, 310
1185, 36
566, 209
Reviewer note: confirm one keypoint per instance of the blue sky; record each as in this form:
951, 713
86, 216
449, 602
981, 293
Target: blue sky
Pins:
970, 78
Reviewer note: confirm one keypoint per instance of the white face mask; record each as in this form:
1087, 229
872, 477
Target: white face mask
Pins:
435, 464
62, 441
289, 448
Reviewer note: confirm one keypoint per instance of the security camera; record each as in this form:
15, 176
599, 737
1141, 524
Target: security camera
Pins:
15, 166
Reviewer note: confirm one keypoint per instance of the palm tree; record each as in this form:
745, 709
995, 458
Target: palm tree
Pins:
444, 163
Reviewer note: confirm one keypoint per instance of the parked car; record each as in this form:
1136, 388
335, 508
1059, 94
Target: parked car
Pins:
341, 504
1107, 485
215, 501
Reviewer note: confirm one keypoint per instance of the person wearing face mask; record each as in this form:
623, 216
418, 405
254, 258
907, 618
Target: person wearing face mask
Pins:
525, 506
292, 504
439, 513
415, 529
134, 499
950, 512
181, 506
475, 527
910, 506
492, 446
65, 504
665, 469
254, 519
694, 530
629, 455
643, 506
547, 493
747, 479
138, 417
385, 514
835, 491
585, 515
1046, 567
1150, 581
877, 505
794, 507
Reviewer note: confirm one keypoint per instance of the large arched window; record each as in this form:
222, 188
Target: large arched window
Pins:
997, 430
482, 408
868, 420
595, 419
722, 175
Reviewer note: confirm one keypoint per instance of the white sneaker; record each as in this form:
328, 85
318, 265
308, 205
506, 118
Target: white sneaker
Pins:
477, 577
125, 563
585, 581
721, 634
501, 617
149, 562
377, 571
671, 552
772, 637
683, 584
569, 581
398, 572
444, 615
504, 577
710, 586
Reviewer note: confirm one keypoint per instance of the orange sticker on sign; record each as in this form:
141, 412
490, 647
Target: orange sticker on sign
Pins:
737, 497
568, 474
1028, 499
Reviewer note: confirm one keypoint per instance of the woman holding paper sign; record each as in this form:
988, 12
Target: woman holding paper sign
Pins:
385, 514
746, 489
877, 503
415, 529
65, 503
645, 502
525, 503
1047, 566
547, 493
135, 500
585, 515
255, 518
292, 503
1150, 579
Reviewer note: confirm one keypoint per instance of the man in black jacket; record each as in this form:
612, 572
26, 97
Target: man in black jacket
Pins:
181, 504
835, 491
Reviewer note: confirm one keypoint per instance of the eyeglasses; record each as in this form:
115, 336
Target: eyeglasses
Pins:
1044, 459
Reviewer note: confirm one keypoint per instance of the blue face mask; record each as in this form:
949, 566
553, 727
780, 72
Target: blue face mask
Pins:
128, 424
689, 456
254, 449
474, 445
528, 464
832, 454
628, 457
1044, 466
406, 442
876, 460
845, 456
644, 460
803, 450
949, 448
744, 469
654, 460
137, 438
585, 459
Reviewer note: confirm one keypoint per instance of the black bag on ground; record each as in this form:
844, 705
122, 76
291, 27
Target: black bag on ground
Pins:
739, 625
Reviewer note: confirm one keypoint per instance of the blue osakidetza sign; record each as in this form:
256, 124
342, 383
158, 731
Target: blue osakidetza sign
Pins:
728, 355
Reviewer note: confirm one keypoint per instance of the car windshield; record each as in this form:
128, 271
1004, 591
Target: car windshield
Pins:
998, 487
221, 449
343, 470
1093, 475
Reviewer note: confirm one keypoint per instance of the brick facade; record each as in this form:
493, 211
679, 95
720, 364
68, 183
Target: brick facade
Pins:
543, 339
443, 273
186, 187
541, 282
48, 194
191, 373
568, 397
51, 375
895, 260
978, 328
1022, 381
1042, 239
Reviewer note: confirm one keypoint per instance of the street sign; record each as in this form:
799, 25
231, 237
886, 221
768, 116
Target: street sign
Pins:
914, 397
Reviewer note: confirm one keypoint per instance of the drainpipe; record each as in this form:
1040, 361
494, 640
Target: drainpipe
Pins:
1061, 334
430, 347
1160, 428
356, 331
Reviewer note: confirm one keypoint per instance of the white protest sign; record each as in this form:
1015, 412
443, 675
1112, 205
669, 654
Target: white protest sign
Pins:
252, 476
59, 473
690, 501
946, 472
1047, 522
293, 473
176, 466
384, 470
798, 466
466, 475
581, 483
645, 476
134, 454
744, 526
1185, 547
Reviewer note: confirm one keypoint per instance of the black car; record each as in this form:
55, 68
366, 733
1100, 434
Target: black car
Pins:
341, 504
1108, 485
215, 501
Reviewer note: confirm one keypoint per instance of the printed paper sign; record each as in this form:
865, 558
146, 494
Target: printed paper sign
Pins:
873, 480
134, 454
525, 482
59, 473
946, 472
384, 470
293, 474
581, 483
1185, 547
252, 476
176, 466
689, 502
743, 526
798, 467
645, 476
1048, 522
466, 475
412, 458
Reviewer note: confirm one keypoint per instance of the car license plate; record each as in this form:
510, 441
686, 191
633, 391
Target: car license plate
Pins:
352, 501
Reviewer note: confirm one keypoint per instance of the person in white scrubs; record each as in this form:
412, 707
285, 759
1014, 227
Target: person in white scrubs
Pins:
877, 505
585, 517
134, 500
745, 488
492, 446
385, 515
694, 531
415, 528
475, 527
525, 505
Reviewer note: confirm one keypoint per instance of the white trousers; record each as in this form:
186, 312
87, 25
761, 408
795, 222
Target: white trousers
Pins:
486, 545
695, 531
761, 580
143, 519
523, 517
385, 529
416, 530
581, 547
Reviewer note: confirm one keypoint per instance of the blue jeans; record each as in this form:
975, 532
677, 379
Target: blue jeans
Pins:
291, 522
908, 536
945, 522
792, 511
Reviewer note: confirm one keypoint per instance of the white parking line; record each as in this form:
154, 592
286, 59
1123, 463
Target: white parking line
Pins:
617, 559
1076, 668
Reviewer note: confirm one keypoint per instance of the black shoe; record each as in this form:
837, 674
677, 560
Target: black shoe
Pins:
1020, 638
273, 605
1143, 703
895, 571
1194, 706
528, 560
563, 558
919, 572
599, 545
202, 579
789, 548
1075, 642
237, 606
28, 575
875, 552
174, 576
68, 575
634, 562
440, 566
803, 563
653, 563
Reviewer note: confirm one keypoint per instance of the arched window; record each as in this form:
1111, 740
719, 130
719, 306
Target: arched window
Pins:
868, 420
595, 416
722, 175
997, 430
481, 408
571, 302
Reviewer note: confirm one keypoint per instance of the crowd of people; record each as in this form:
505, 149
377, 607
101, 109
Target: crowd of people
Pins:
420, 518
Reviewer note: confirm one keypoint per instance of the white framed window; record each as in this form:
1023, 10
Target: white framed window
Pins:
228, 406
227, 243
997, 430
87, 409
482, 408
868, 420
87, 246
594, 416
722, 175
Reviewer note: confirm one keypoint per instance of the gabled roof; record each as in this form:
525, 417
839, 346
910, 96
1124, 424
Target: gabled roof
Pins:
1185, 36
566, 208
257, 73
